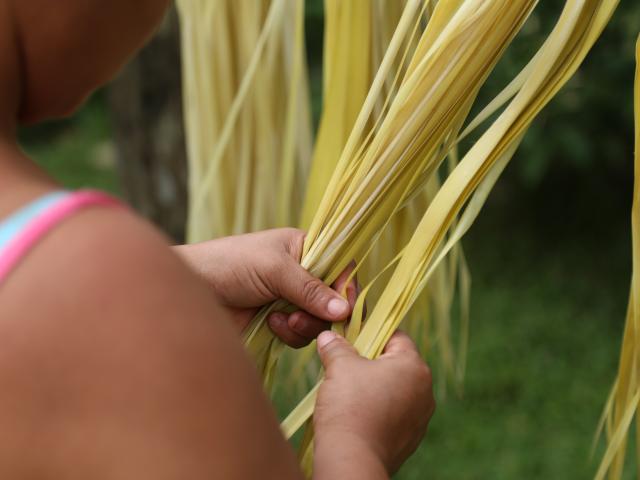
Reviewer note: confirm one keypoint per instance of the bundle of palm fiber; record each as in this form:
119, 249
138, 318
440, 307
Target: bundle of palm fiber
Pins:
247, 114
389, 159
244, 173
357, 35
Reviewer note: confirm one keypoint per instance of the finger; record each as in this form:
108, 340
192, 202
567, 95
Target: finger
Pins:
400, 342
278, 323
307, 325
309, 293
340, 285
332, 348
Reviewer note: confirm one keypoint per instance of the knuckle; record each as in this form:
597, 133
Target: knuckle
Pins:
425, 373
295, 241
312, 290
425, 377
421, 371
338, 352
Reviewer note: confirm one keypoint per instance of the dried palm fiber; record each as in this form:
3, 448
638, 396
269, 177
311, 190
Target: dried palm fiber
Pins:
622, 405
430, 321
470, 182
357, 34
346, 79
348, 66
384, 166
246, 113
225, 151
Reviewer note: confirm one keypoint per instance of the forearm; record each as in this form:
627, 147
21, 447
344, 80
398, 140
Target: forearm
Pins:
341, 455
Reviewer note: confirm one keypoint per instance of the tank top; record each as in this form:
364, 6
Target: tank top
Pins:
21, 232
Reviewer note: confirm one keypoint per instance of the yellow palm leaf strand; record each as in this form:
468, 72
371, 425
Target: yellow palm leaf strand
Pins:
429, 321
347, 81
297, 91
244, 61
626, 391
200, 123
339, 70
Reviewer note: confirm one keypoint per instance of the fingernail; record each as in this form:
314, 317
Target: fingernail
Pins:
325, 338
338, 307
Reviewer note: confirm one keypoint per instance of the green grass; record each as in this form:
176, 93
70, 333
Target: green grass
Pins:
547, 314
550, 279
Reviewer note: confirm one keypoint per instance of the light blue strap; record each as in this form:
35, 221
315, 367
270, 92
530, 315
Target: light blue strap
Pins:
17, 222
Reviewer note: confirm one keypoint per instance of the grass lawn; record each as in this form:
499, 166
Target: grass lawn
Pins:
549, 292
545, 332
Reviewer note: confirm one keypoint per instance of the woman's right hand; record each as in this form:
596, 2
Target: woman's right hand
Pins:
379, 408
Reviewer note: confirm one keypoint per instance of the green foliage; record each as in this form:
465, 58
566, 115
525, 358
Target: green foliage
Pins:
591, 121
78, 151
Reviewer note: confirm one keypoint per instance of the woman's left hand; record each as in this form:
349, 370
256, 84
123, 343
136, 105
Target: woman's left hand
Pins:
248, 271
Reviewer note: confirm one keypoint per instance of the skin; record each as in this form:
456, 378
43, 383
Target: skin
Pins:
270, 263
120, 356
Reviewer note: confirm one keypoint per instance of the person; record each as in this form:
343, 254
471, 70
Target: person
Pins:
120, 357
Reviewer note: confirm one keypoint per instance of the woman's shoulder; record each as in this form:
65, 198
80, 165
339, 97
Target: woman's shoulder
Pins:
100, 262
105, 331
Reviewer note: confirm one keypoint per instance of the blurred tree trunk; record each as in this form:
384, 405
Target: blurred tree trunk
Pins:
146, 111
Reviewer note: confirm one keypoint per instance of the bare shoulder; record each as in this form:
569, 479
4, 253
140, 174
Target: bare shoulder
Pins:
103, 262
114, 353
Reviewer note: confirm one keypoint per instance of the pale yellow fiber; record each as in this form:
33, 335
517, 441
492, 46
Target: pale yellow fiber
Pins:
623, 404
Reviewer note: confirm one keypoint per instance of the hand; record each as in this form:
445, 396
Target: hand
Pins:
248, 271
383, 405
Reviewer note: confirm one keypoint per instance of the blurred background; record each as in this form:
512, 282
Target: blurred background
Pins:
549, 255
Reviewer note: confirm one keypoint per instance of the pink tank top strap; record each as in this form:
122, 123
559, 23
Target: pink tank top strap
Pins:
38, 222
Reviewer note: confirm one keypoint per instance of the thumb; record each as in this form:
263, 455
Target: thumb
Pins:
332, 347
311, 294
